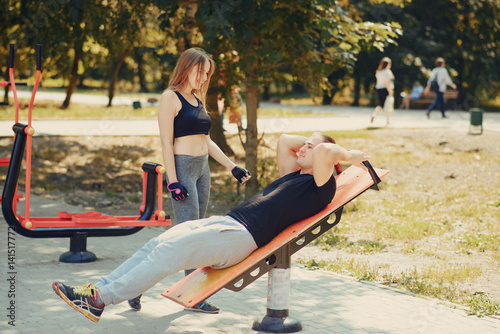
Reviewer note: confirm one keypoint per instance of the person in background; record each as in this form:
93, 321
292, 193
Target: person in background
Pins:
186, 145
442, 78
384, 87
416, 91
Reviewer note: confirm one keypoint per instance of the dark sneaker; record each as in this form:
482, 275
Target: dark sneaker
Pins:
82, 298
204, 307
135, 303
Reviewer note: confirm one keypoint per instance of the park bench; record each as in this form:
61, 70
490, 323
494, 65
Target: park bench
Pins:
450, 97
275, 257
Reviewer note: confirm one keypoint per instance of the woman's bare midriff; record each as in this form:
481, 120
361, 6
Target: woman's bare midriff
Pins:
194, 145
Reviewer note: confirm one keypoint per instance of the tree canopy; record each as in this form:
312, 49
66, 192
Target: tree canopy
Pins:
320, 45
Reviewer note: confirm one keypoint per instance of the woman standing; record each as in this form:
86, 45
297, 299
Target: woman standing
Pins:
384, 87
186, 144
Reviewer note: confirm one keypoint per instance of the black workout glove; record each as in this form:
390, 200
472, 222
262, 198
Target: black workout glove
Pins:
239, 173
177, 191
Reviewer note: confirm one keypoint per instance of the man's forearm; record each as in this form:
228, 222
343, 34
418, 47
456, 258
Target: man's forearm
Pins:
333, 154
291, 142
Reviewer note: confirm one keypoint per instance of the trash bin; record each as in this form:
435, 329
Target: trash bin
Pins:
136, 104
476, 120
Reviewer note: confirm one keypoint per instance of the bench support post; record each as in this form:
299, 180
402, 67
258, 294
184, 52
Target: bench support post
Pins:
277, 318
78, 250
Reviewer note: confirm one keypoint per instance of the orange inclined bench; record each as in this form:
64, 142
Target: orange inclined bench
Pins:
205, 282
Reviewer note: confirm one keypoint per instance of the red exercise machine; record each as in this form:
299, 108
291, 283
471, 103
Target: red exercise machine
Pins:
76, 226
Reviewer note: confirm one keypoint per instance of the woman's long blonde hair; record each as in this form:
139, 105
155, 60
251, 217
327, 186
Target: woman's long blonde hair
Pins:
190, 58
384, 63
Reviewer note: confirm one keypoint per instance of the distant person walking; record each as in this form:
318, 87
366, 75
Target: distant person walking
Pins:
437, 83
416, 91
385, 89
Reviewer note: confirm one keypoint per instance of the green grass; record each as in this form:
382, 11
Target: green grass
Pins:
51, 110
481, 305
361, 270
288, 112
431, 281
332, 239
479, 241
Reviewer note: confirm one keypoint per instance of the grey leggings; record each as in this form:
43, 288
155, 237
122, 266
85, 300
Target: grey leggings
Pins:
194, 174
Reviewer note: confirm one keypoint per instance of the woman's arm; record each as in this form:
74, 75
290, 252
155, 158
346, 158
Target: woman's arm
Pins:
388, 82
448, 80
168, 109
215, 152
241, 174
432, 77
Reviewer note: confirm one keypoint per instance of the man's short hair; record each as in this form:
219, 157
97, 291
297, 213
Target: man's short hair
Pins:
326, 138
439, 62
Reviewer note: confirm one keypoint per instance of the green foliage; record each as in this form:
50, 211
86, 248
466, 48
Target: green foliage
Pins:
480, 241
481, 305
332, 239
463, 32
362, 270
432, 282
267, 171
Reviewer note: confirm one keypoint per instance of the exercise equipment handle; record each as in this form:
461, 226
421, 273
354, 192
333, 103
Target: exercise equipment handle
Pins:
373, 174
11, 55
39, 57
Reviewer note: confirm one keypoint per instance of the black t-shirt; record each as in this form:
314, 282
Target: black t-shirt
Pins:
284, 202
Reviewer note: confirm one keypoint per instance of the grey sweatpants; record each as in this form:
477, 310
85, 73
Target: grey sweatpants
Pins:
217, 241
194, 174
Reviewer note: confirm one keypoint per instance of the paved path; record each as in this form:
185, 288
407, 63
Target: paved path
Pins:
325, 118
322, 301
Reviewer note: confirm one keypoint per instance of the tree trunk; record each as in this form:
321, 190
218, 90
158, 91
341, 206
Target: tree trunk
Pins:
357, 86
265, 93
216, 132
114, 76
187, 29
76, 13
139, 59
252, 102
327, 96
74, 75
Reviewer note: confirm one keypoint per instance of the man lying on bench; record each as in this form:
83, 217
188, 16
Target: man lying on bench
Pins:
306, 186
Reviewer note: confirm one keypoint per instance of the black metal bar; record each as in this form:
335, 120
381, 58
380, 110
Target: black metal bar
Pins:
373, 174
11, 55
17, 84
39, 57
151, 190
78, 252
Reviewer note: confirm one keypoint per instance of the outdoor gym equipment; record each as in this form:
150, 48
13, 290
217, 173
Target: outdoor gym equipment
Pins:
275, 257
76, 226
5, 161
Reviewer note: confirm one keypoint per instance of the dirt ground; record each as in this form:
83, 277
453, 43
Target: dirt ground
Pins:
103, 174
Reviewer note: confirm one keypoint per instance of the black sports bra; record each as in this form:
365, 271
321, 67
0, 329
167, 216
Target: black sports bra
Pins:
191, 120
